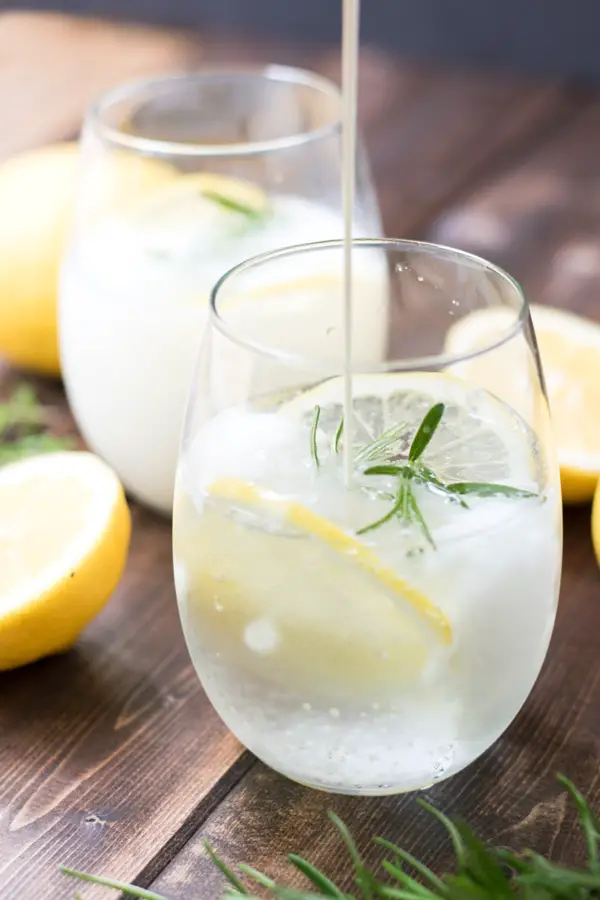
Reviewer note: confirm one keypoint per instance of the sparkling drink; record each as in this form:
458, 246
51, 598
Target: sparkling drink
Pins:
376, 638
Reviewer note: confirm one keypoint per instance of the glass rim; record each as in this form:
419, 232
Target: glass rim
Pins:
290, 75
404, 364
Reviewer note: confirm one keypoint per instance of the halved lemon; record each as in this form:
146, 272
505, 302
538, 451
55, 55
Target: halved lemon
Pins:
596, 522
570, 352
64, 536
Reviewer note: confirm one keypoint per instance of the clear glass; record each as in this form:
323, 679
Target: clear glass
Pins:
374, 638
180, 179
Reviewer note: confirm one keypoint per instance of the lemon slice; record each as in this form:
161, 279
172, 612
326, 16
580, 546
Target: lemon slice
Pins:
570, 352
308, 608
64, 535
197, 211
478, 439
314, 525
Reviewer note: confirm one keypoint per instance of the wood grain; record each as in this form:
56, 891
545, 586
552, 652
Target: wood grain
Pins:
541, 217
106, 752
510, 795
111, 756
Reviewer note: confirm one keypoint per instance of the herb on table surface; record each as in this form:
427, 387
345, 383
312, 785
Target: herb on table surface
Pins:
23, 427
410, 469
482, 872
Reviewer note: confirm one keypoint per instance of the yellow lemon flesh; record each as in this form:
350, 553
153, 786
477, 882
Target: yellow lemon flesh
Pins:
312, 606
570, 353
596, 522
37, 192
64, 536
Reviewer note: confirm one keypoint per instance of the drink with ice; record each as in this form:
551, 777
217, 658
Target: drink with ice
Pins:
182, 178
375, 637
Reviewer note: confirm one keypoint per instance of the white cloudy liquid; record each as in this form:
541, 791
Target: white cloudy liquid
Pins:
133, 309
315, 664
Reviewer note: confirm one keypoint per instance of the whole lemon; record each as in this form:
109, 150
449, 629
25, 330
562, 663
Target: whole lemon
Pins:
37, 195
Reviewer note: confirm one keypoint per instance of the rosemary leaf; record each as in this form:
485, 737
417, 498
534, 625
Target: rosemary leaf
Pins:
338, 436
483, 489
364, 879
325, 885
427, 476
407, 881
387, 470
419, 867
313, 436
589, 822
232, 205
425, 432
227, 872
396, 508
131, 890
416, 512
22, 427
259, 877
386, 445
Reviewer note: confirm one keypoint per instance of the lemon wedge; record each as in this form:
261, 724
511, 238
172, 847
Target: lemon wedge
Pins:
570, 352
64, 536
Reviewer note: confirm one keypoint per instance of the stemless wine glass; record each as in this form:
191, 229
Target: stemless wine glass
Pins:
377, 636
181, 178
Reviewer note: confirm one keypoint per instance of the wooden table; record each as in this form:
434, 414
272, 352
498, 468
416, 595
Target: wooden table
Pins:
111, 758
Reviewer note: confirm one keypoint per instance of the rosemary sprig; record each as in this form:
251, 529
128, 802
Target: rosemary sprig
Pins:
23, 427
232, 205
481, 872
410, 469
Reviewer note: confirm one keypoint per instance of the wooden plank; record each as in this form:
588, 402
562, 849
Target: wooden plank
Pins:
456, 131
541, 219
106, 752
119, 754
510, 795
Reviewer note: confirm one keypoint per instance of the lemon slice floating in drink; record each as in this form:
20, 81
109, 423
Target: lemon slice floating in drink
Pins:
479, 438
263, 595
202, 206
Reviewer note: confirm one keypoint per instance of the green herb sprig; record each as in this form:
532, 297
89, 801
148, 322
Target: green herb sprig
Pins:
230, 204
23, 427
481, 872
410, 470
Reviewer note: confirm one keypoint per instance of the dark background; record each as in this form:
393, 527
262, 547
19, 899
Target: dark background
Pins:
559, 37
